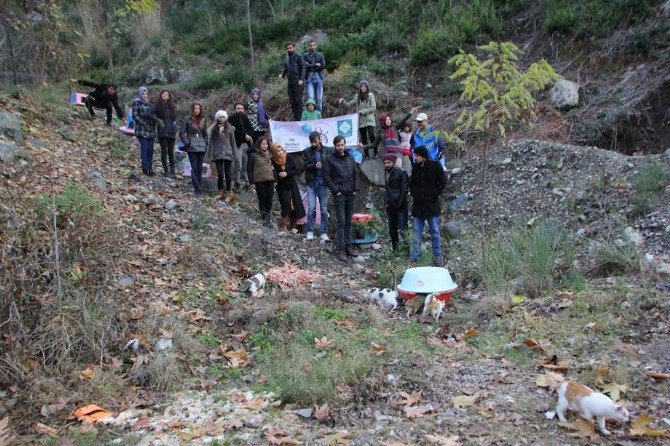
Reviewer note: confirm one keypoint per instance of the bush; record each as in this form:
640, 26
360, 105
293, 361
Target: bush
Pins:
647, 183
562, 18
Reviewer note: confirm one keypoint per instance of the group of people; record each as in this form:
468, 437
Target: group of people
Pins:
241, 152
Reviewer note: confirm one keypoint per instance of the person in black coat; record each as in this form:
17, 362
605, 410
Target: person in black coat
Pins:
294, 71
287, 188
397, 183
167, 135
426, 185
104, 96
244, 139
340, 174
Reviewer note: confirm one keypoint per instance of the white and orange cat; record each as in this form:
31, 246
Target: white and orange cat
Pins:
432, 305
588, 404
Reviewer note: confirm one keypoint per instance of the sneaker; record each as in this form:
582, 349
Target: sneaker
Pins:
310, 235
324, 237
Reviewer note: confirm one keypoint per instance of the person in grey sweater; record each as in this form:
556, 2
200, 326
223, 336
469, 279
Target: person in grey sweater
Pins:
222, 149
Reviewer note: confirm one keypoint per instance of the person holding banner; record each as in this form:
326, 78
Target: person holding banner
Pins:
261, 176
287, 188
340, 173
313, 158
364, 102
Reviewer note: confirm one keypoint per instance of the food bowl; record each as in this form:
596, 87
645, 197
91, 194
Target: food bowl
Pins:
426, 280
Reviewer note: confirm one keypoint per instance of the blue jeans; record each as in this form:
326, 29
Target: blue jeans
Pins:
315, 87
146, 153
196, 159
434, 227
344, 210
322, 193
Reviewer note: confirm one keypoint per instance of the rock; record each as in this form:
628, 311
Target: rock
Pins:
67, 133
456, 170
634, 236
185, 238
564, 95
581, 232
376, 246
663, 270
171, 204
454, 228
458, 202
126, 281
151, 199
8, 151
10, 126
373, 171
359, 259
36, 143
163, 344
506, 161
155, 74
667, 154
304, 413
311, 261
131, 198
100, 184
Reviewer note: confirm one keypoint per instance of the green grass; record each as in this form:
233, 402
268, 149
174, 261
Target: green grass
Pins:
74, 204
647, 183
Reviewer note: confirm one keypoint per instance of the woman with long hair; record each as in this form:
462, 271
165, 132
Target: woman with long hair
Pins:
193, 134
365, 105
222, 149
287, 188
262, 176
257, 115
167, 135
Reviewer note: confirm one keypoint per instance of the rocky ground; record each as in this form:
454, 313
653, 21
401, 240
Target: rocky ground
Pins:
480, 376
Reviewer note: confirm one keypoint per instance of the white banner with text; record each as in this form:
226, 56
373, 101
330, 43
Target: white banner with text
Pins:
294, 135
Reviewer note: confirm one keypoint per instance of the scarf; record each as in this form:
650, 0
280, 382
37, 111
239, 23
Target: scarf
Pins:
261, 109
279, 160
389, 133
140, 91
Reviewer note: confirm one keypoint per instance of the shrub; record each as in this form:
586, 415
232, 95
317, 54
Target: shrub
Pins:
164, 372
647, 183
562, 18
74, 204
618, 256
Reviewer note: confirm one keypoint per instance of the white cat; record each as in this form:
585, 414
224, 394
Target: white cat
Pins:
588, 404
433, 305
254, 283
384, 297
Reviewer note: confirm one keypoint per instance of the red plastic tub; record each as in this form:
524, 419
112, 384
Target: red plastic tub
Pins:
444, 296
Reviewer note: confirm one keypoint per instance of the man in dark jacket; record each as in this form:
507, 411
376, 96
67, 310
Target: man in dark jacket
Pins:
104, 96
313, 158
396, 181
340, 174
294, 71
315, 64
426, 185
243, 139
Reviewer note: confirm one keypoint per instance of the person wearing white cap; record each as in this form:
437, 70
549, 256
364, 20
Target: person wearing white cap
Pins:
222, 148
430, 139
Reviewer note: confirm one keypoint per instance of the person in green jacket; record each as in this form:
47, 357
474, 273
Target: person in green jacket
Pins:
365, 104
311, 112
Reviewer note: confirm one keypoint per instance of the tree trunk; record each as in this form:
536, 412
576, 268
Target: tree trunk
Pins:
251, 42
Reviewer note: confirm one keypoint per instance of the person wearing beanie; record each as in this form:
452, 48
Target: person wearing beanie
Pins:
193, 134
340, 173
145, 119
426, 184
425, 136
221, 149
389, 135
257, 115
103, 96
396, 182
313, 158
287, 188
167, 135
311, 112
365, 105
261, 176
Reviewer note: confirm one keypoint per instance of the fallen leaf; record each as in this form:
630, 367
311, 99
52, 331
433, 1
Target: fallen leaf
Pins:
582, 428
176, 425
256, 404
463, 400
377, 348
614, 390
338, 439
197, 315
233, 424
322, 413
533, 344
88, 373
602, 371
91, 413
550, 380
43, 429
553, 364
442, 441
412, 412
641, 427
241, 336
278, 437
408, 400
657, 375
516, 299
238, 358
323, 343
165, 333
470, 333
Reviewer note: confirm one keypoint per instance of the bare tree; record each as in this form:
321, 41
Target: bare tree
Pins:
251, 42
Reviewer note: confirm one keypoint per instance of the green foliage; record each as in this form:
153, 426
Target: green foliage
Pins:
647, 183
498, 93
74, 204
617, 256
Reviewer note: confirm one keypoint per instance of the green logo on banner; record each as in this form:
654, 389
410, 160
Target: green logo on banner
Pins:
344, 128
